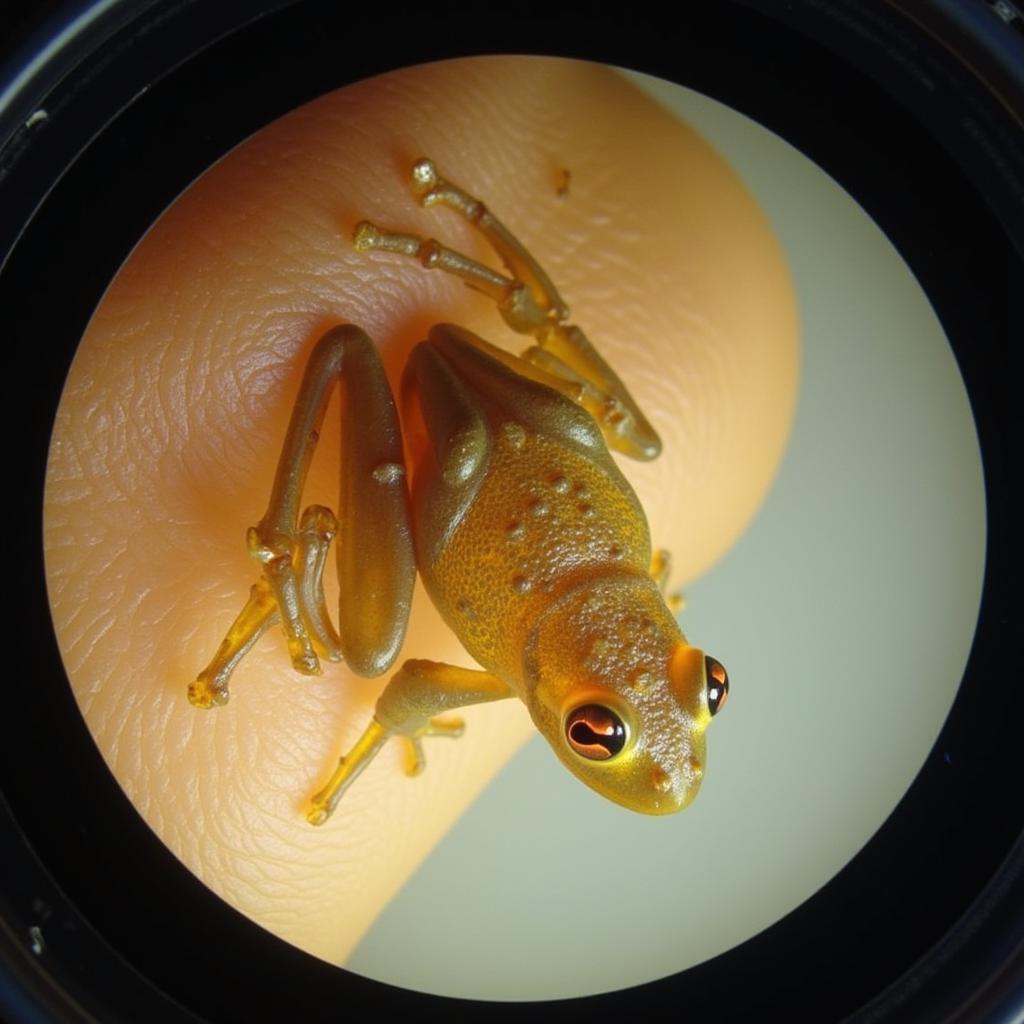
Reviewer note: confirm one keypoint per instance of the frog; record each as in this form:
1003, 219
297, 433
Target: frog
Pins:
525, 532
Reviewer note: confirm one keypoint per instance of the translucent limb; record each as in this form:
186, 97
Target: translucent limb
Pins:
210, 688
661, 568
529, 303
375, 555
418, 692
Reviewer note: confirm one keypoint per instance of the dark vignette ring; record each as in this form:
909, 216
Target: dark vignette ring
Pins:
924, 923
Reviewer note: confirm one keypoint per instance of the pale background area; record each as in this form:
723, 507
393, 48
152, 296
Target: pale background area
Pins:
844, 615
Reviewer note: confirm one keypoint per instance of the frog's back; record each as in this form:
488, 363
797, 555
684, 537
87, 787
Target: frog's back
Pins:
545, 515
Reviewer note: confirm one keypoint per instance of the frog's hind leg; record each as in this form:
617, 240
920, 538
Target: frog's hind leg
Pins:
432, 189
530, 304
374, 548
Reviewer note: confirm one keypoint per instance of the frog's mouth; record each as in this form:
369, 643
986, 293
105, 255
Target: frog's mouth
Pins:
633, 777
640, 784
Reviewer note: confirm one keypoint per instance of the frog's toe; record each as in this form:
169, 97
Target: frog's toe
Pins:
204, 694
424, 176
416, 761
317, 815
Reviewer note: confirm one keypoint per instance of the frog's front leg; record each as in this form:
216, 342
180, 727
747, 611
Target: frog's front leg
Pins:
374, 548
417, 692
661, 569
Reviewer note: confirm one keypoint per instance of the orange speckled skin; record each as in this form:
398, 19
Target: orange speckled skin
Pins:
544, 516
537, 552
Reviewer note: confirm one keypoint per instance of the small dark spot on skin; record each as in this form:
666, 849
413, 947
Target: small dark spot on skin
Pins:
585, 510
522, 584
464, 607
515, 531
559, 484
615, 552
539, 508
641, 680
314, 436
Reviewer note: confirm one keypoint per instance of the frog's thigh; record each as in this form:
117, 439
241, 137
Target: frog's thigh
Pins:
374, 545
453, 417
506, 390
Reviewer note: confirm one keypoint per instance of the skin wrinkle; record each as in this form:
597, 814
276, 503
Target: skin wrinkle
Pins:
198, 349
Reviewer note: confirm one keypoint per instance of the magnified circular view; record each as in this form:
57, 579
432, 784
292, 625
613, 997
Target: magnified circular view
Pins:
794, 479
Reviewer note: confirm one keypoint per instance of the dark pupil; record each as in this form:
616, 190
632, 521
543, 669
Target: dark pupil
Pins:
595, 732
586, 737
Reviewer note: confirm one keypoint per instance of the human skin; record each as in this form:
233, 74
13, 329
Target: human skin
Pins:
169, 430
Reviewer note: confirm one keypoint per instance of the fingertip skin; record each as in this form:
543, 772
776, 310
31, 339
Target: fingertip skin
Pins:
178, 401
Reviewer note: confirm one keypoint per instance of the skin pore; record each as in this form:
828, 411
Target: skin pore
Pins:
171, 423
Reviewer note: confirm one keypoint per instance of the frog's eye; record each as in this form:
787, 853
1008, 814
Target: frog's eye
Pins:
718, 684
594, 732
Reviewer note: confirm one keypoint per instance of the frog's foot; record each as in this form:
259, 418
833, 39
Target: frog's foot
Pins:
205, 693
415, 761
529, 303
210, 688
281, 559
290, 589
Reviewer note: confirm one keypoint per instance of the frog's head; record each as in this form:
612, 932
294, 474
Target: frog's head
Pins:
621, 696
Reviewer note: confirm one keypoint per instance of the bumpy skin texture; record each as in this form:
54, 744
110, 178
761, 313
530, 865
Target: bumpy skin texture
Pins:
508, 534
542, 567
165, 446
